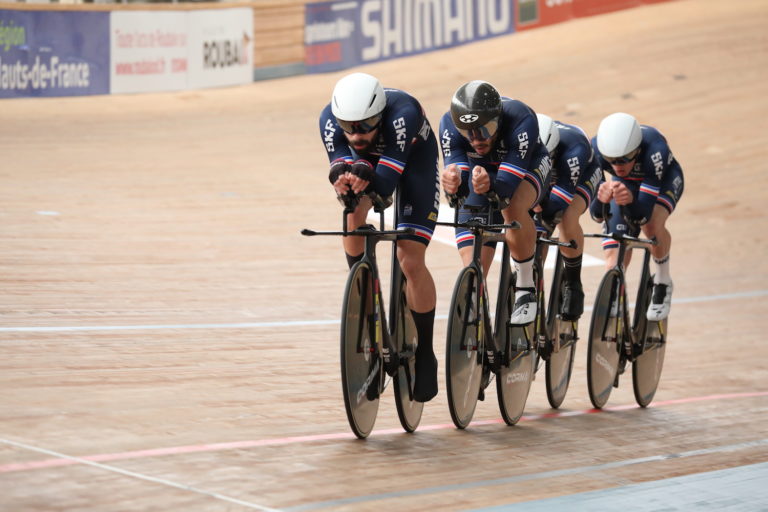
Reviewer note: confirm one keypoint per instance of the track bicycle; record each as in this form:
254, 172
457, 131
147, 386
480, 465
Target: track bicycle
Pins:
556, 337
613, 341
476, 352
373, 349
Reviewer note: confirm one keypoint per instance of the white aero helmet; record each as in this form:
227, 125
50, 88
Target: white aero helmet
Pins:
549, 133
618, 135
357, 97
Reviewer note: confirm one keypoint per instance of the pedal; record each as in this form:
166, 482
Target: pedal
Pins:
391, 362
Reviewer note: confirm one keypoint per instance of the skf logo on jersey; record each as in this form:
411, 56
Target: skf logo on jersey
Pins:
468, 118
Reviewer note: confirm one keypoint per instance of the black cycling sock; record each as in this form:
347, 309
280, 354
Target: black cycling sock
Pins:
425, 387
572, 269
351, 260
424, 327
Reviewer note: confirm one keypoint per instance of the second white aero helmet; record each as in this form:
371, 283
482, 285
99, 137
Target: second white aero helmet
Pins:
358, 99
549, 133
618, 135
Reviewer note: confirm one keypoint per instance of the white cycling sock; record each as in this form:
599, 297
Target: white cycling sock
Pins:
662, 275
524, 273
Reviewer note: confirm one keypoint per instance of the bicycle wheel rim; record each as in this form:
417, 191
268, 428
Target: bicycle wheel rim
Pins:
361, 365
602, 352
406, 340
464, 349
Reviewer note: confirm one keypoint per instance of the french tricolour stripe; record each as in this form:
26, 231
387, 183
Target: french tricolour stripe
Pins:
419, 230
393, 164
562, 194
654, 191
464, 236
517, 171
664, 200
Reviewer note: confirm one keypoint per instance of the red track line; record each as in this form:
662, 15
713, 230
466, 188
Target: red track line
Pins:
197, 448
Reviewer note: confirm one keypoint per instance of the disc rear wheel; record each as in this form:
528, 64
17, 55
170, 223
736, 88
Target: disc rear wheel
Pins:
405, 340
646, 369
518, 359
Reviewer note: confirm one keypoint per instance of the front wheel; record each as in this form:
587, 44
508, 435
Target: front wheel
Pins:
604, 340
405, 340
465, 347
361, 365
646, 369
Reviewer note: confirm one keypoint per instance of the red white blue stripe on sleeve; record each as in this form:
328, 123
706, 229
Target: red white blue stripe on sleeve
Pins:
654, 191
562, 194
393, 164
513, 169
463, 166
419, 231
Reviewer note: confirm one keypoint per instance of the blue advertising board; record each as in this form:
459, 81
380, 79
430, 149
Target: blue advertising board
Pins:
54, 53
346, 33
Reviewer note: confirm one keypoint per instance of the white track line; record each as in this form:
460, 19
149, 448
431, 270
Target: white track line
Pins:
140, 476
307, 323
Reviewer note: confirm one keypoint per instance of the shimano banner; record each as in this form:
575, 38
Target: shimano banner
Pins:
57, 53
342, 34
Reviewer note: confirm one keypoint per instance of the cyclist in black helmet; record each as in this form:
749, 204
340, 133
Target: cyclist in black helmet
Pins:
491, 147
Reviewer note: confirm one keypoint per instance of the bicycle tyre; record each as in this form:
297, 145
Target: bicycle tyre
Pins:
562, 336
603, 352
361, 362
464, 348
518, 358
647, 366
405, 340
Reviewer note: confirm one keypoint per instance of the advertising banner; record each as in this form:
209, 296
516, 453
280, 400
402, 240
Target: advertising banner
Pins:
172, 50
149, 51
57, 53
220, 47
346, 33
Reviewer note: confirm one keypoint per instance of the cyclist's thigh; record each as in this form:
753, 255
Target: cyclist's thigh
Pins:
671, 188
419, 193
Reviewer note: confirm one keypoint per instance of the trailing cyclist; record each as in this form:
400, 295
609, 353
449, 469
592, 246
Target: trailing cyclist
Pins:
574, 181
645, 184
379, 140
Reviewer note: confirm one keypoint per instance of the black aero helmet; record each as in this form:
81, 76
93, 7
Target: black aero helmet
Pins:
475, 110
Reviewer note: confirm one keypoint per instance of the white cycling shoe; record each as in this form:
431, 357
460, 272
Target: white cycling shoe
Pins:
661, 302
525, 309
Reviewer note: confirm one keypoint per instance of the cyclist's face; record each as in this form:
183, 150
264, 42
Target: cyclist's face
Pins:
483, 146
362, 142
623, 170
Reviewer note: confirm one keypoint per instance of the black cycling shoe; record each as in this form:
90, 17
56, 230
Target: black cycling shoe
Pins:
425, 387
573, 301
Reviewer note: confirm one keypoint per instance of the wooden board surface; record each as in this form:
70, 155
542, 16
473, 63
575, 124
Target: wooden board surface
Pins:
168, 340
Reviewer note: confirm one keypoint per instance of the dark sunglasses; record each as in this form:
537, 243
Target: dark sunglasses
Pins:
484, 132
622, 159
364, 126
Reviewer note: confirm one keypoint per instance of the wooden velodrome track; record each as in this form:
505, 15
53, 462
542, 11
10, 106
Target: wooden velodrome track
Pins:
169, 341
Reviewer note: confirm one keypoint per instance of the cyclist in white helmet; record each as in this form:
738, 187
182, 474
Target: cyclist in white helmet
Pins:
575, 178
378, 140
646, 183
